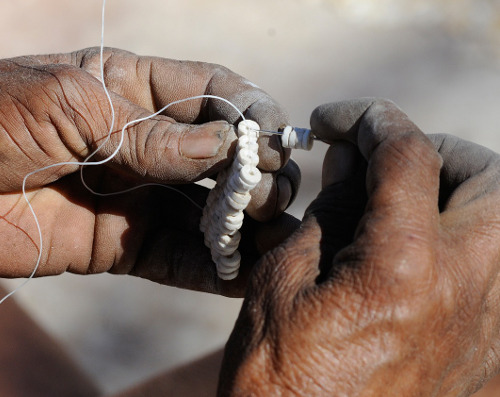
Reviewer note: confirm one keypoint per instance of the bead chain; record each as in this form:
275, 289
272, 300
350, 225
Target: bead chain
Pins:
223, 213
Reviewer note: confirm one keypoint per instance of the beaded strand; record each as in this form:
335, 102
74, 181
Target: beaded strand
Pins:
223, 213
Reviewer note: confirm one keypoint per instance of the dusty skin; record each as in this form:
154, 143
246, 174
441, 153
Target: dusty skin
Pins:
443, 81
390, 286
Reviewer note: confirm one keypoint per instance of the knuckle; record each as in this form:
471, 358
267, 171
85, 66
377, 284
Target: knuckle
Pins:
382, 104
410, 149
417, 146
61, 72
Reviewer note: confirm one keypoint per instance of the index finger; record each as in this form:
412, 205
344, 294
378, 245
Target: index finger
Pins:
402, 181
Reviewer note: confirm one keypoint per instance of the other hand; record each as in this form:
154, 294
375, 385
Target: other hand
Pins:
390, 286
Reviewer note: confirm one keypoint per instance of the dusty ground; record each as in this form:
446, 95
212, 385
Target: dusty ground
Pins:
439, 64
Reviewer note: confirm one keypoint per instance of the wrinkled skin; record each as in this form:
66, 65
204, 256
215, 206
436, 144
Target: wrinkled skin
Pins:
390, 286
54, 109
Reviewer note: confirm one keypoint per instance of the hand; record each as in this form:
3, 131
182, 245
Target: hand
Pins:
54, 110
390, 286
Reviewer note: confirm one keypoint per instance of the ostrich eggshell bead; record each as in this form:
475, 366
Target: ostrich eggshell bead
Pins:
224, 251
250, 175
246, 142
225, 245
229, 240
247, 157
240, 206
231, 225
226, 210
233, 222
248, 127
229, 263
242, 198
243, 142
238, 185
285, 138
229, 276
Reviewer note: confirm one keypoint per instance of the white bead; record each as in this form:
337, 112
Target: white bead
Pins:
246, 142
237, 201
233, 222
213, 196
247, 157
297, 138
285, 138
230, 227
230, 232
224, 251
243, 142
227, 264
229, 276
224, 240
227, 271
226, 245
241, 198
236, 184
248, 127
246, 180
229, 240
250, 176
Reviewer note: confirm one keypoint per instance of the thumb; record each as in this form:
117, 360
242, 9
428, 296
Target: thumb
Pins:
160, 149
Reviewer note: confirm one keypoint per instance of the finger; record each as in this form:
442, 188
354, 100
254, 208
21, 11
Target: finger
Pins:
469, 170
469, 197
275, 193
339, 120
402, 183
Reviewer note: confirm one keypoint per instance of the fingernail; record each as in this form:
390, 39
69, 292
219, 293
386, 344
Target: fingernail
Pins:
204, 141
285, 193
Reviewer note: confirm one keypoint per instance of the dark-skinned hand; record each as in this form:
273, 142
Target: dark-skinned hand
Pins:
54, 109
390, 287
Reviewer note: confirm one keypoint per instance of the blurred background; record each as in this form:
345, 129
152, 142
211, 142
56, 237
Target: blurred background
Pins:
438, 59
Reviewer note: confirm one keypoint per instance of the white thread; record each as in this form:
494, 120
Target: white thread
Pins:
86, 162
